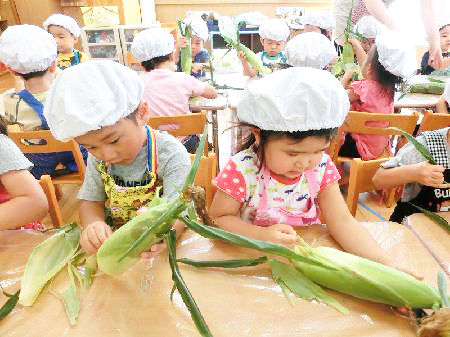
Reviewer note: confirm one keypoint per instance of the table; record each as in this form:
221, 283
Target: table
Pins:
243, 302
416, 101
433, 236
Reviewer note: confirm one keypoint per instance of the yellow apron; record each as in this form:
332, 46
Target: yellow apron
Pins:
123, 201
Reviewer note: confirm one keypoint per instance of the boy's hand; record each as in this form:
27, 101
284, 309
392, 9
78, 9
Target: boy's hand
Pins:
430, 175
280, 234
93, 236
197, 67
182, 42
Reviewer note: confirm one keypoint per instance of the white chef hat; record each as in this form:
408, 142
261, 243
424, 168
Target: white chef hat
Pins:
198, 27
294, 99
396, 53
64, 21
151, 43
369, 27
90, 96
321, 18
310, 50
274, 29
27, 48
447, 92
443, 21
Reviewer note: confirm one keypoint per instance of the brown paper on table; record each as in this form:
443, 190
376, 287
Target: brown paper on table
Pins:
244, 302
433, 236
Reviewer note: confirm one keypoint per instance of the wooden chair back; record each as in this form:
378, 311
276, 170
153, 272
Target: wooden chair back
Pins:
183, 125
361, 174
356, 122
206, 173
51, 145
433, 121
53, 206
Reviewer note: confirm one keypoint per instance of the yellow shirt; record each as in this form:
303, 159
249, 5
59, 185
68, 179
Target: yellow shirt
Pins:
64, 61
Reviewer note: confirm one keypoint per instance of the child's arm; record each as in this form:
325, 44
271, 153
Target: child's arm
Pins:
346, 79
95, 229
348, 232
441, 105
423, 173
26, 194
247, 68
224, 211
359, 51
209, 92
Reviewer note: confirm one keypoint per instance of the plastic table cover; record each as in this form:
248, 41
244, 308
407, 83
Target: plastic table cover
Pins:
237, 302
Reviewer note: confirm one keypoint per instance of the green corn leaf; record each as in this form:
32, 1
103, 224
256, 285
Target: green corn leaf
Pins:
70, 297
195, 164
90, 267
419, 147
9, 305
431, 79
188, 300
303, 287
224, 264
242, 241
433, 216
442, 283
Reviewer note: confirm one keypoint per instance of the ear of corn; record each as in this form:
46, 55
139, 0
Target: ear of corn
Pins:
46, 260
435, 88
366, 279
186, 52
348, 56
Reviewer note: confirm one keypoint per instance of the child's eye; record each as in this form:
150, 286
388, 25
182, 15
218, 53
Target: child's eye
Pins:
115, 141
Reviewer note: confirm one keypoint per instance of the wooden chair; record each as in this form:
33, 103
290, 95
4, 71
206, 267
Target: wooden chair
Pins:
206, 173
361, 173
433, 121
356, 123
53, 206
52, 145
192, 124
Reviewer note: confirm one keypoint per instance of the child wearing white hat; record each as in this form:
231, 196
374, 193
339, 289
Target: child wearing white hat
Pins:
273, 36
282, 178
200, 55
368, 27
66, 32
443, 104
310, 50
320, 21
101, 104
444, 34
390, 60
166, 91
30, 53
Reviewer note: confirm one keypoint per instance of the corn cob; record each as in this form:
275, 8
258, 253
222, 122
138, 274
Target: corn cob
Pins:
366, 279
348, 56
186, 52
435, 88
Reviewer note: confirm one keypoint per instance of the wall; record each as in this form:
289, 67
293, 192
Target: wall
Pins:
171, 10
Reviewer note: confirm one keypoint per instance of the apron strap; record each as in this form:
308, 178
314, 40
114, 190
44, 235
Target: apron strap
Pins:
152, 161
35, 105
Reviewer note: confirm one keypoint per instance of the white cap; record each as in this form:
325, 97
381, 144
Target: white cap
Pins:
294, 99
447, 92
274, 29
443, 21
90, 96
27, 48
310, 50
369, 27
64, 21
396, 53
321, 18
198, 27
151, 43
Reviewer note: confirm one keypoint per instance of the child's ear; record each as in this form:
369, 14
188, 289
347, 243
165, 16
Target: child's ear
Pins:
261, 40
142, 113
75, 39
52, 67
257, 133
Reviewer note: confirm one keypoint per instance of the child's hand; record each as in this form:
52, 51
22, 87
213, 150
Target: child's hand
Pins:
182, 42
430, 175
93, 236
241, 55
154, 250
279, 233
354, 42
197, 67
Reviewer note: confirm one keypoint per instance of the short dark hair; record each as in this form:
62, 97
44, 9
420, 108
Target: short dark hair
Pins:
33, 74
149, 65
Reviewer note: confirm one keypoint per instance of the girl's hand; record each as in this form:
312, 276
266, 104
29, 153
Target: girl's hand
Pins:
430, 175
354, 42
93, 236
182, 42
155, 250
279, 233
241, 55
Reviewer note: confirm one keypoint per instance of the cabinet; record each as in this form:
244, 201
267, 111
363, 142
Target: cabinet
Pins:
102, 43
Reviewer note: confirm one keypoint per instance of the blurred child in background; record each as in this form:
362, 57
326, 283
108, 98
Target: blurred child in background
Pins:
443, 104
368, 27
320, 21
444, 34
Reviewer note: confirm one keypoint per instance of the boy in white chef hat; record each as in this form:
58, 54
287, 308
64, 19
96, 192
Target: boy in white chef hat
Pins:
310, 50
29, 52
101, 105
66, 32
444, 39
273, 35
200, 55
320, 21
443, 104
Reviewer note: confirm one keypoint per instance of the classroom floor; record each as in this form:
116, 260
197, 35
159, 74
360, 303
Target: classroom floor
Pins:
369, 208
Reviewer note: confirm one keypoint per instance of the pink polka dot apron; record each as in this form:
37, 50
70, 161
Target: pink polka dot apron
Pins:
266, 216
